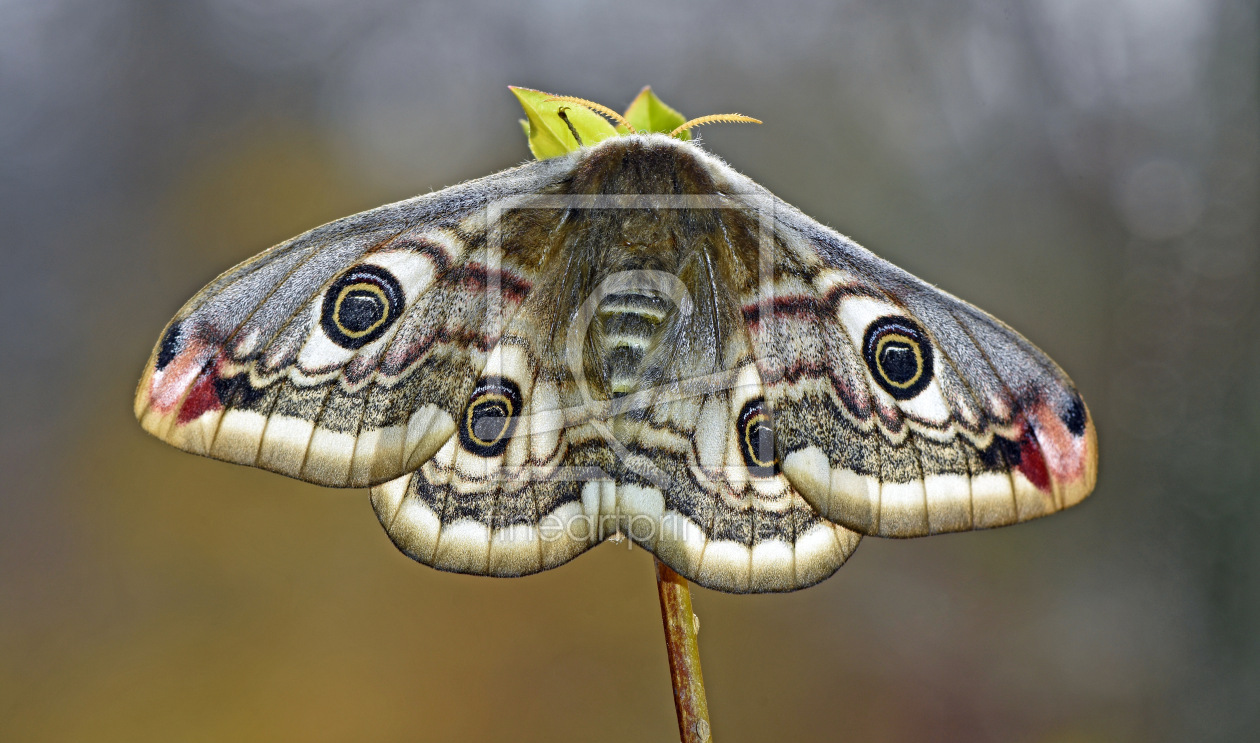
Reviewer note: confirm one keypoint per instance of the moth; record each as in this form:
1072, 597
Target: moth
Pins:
631, 340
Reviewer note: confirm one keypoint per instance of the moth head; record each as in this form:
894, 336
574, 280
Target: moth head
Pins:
899, 355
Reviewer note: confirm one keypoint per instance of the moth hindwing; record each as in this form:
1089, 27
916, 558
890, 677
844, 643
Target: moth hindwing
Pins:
631, 339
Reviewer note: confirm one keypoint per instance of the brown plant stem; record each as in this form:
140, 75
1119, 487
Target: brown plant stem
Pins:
684, 655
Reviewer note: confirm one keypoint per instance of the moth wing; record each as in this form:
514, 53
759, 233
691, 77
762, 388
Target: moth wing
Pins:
990, 432
532, 508
520, 486
692, 492
344, 355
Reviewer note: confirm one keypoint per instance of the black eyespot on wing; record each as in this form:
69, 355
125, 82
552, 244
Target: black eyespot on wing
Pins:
361, 305
756, 439
169, 347
899, 356
1074, 416
490, 417
1001, 454
237, 392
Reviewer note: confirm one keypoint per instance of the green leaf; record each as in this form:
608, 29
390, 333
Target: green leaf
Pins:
549, 135
647, 113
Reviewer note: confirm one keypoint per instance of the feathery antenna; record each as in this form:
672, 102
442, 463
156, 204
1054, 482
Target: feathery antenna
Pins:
714, 119
598, 108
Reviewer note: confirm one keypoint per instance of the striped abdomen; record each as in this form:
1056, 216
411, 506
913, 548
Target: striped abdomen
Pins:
628, 327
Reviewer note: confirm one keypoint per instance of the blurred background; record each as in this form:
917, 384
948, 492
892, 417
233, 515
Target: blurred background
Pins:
1086, 171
